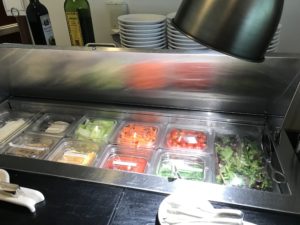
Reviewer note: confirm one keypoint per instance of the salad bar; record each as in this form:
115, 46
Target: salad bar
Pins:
157, 121
127, 141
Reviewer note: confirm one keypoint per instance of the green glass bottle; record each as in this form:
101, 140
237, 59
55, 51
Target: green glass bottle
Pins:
79, 20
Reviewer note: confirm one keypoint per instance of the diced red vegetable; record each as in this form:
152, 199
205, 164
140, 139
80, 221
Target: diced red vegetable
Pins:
186, 139
126, 163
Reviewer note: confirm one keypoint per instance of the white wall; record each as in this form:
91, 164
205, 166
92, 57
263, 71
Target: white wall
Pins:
290, 35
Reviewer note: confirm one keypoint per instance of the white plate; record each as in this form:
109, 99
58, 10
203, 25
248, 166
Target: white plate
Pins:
139, 43
170, 16
144, 45
174, 31
273, 44
162, 210
272, 48
184, 44
142, 31
187, 48
181, 40
177, 36
146, 38
147, 47
276, 37
279, 26
275, 41
141, 19
142, 27
141, 35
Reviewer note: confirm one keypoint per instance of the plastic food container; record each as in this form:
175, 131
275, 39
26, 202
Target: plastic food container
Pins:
188, 138
76, 152
137, 135
184, 166
11, 123
31, 146
125, 159
240, 162
97, 130
53, 124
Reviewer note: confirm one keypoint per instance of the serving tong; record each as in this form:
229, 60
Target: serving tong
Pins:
8, 188
15, 194
268, 150
184, 209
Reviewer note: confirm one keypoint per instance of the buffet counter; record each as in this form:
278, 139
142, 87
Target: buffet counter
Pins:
154, 122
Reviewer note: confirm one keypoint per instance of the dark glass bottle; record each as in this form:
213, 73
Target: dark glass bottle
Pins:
79, 20
39, 22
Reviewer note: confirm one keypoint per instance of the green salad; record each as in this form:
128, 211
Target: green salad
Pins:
96, 130
240, 163
181, 168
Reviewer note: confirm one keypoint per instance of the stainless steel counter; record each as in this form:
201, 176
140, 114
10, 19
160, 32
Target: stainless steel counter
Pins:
284, 198
92, 80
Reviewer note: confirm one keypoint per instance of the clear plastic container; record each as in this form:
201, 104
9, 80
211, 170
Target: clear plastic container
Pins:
240, 162
76, 152
53, 124
98, 130
31, 146
178, 165
196, 139
126, 159
137, 135
11, 123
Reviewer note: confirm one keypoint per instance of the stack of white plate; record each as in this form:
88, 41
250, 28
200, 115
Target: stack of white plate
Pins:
143, 31
273, 47
177, 40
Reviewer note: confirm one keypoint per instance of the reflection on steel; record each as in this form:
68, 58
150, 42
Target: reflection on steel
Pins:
292, 118
209, 82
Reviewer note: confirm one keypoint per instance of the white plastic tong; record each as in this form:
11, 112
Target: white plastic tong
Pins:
187, 209
13, 193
